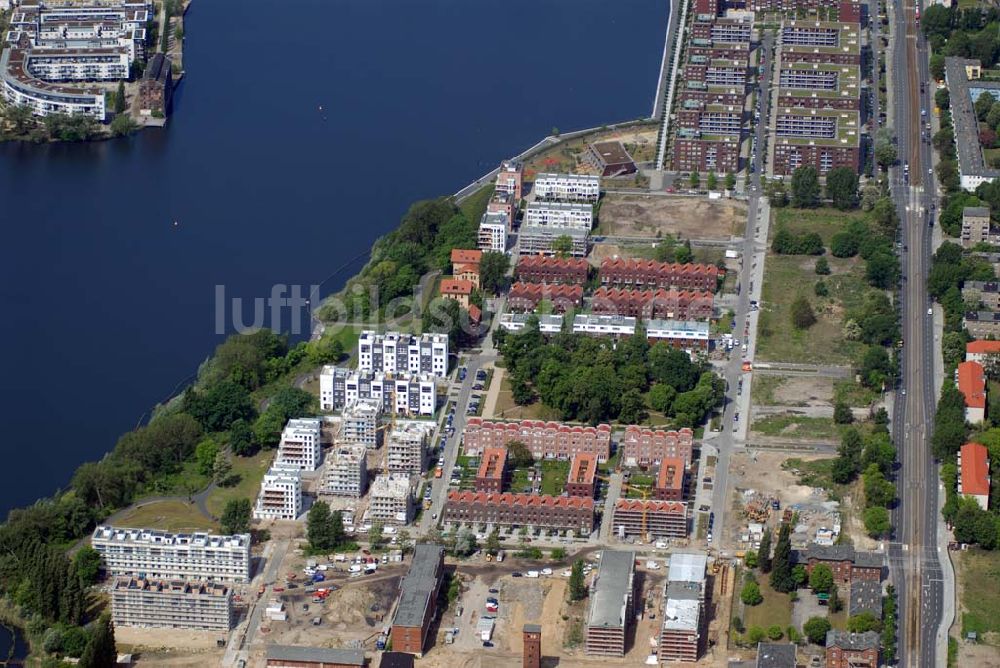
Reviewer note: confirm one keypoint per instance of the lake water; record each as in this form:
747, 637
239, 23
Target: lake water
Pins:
108, 306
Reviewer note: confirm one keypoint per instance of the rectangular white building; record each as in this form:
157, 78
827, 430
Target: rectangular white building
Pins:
394, 352
280, 496
559, 214
407, 448
403, 394
547, 324
360, 421
604, 325
346, 471
494, 227
391, 500
301, 444
172, 604
173, 556
568, 187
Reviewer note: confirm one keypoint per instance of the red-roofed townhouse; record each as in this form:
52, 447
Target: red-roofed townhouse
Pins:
982, 350
659, 519
974, 473
457, 289
972, 384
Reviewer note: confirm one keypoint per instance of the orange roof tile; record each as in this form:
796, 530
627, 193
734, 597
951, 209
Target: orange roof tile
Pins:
455, 286
972, 383
975, 469
671, 475
982, 347
525, 500
651, 505
464, 256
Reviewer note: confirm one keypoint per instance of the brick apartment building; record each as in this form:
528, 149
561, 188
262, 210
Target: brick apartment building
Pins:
612, 604
823, 138
418, 595
706, 7
852, 650
582, 475
660, 519
492, 472
695, 91
846, 10
669, 304
816, 86
720, 29
544, 269
649, 274
539, 511
642, 446
156, 85
670, 480
545, 440
846, 563
700, 154
527, 296
716, 72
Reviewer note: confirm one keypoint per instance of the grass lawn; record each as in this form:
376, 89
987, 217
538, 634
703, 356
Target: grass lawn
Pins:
824, 342
186, 481
824, 221
250, 471
979, 578
853, 394
776, 608
508, 410
168, 516
554, 474
762, 389
796, 425
474, 206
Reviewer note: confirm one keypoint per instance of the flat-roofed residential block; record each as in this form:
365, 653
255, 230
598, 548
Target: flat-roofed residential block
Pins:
685, 600
545, 239
417, 605
175, 604
390, 499
398, 352
986, 294
670, 480
965, 85
612, 604
547, 323
975, 225
406, 446
301, 444
567, 187
609, 158
280, 496
492, 471
494, 228
604, 325
982, 324
582, 473
823, 138
650, 518
401, 393
173, 556
545, 440
291, 656
346, 471
510, 179
683, 334
559, 214
360, 421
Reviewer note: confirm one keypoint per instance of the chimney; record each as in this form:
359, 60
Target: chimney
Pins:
532, 646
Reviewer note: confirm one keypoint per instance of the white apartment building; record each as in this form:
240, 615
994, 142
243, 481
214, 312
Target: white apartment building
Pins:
407, 448
280, 496
360, 422
346, 471
403, 394
568, 187
604, 325
494, 227
301, 444
559, 214
547, 323
394, 352
172, 604
173, 556
390, 500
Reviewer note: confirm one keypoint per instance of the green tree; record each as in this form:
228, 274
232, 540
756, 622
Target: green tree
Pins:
121, 104
805, 187
661, 398
695, 180
519, 455
730, 181
711, 181
101, 651
842, 187
493, 271
633, 408
774, 632
236, 516
123, 125
376, 535
755, 634
493, 542
836, 605
204, 455
863, 622
816, 629
821, 578
820, 289
885, 150
577, 585
878, 490
781, 562
222, 468
750, 595
764, 552
71, 600
822, 267
562, 245
842, 413
87, 564
751, 559
799, 575
802, 313
318, 528
241, 439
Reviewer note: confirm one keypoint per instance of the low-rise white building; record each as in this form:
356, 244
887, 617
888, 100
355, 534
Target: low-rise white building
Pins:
301, 444
280, 496
604, 325
346, 471
547, 324
173, 556
567, 187
390, 500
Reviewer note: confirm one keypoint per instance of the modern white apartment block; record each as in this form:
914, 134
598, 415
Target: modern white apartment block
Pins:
494, 227
173, 556
407, 448
604, 325
568, 187
301, 444
346, 471
280, 496
172, 604
360, 423
559, 214
403, 394
390, 500
394, 352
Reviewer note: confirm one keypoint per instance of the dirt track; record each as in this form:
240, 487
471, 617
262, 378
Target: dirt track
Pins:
687, 217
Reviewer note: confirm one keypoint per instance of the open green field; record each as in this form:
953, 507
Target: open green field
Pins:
474, 206
776, 608
554, 474
796, 425
508, 410
979, 587
853, 394
168, 516
824, 221
785, 278
250, 471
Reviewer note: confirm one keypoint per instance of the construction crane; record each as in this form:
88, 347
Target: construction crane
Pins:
644, 492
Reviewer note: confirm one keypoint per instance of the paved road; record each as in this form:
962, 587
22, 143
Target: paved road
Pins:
913, 552
753, 248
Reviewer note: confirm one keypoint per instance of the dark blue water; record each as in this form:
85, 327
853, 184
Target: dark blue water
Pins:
107, 305
12, 645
